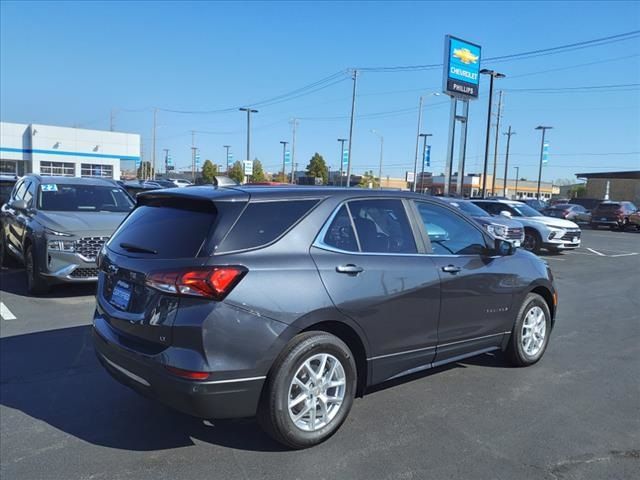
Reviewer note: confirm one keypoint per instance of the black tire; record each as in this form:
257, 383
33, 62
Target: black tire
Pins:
623, 226
36, 284
593, 226
273, 411
515, 350
5, 257
532, 241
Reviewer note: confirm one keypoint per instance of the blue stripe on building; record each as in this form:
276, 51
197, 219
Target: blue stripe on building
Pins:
71, 154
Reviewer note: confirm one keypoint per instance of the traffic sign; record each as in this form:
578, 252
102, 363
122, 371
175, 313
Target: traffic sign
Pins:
248, 167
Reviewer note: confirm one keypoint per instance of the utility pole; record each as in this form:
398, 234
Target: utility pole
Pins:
353, 112
249, 112
544, 131
415, 159
379, 135
341, 140
294, 124
495, 146
506, 160
166, 160
155, 115
227, 147
517, 178
284, 156
424, 152
193, 156
493, 74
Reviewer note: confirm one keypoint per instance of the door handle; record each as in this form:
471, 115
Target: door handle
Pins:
349, 268
451, 269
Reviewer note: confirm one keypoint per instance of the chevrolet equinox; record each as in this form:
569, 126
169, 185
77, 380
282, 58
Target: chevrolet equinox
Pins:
288, 302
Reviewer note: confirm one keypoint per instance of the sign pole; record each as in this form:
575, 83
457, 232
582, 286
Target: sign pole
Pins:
464, 119
452, 133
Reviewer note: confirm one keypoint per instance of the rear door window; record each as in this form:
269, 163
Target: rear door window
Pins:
340, 233
263, 222
382, 226
164, 231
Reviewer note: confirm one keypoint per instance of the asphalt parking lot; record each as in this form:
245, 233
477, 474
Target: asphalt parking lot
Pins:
574, 415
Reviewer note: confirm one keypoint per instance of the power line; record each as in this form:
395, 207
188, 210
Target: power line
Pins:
517, 56
630, 86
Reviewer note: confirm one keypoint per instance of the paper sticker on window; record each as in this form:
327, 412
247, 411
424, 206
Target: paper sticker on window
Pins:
49, 187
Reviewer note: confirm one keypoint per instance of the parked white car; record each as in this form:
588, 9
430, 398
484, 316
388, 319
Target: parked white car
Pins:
180, 182
554, 234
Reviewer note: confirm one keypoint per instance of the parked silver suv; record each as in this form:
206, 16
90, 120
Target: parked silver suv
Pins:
56, 226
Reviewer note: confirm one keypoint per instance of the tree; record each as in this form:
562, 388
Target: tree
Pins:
236, 172
318, 168
258, 172
209, 170
280, 177
145, 170
577, 191
368, 180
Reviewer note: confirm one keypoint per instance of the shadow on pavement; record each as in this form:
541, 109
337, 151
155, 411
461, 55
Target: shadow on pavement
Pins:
54, 376
13, 280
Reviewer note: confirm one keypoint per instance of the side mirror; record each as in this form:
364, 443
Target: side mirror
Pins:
18, 205
505, 213
504, 248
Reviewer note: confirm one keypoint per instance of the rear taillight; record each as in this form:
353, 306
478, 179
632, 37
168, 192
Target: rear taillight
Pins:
188, 374
210, 282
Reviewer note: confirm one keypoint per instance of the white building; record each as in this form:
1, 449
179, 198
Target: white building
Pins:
71, 152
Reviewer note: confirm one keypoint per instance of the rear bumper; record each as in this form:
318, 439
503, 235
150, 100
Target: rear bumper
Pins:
226, 398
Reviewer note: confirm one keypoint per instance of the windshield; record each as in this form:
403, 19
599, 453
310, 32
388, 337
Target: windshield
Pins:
469, 208
525, 210
82, 198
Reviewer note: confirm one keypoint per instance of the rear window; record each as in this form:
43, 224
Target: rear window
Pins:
606, 207
263, 222
170, 232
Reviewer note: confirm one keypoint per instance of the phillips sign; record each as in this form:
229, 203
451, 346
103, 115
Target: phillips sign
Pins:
461, 68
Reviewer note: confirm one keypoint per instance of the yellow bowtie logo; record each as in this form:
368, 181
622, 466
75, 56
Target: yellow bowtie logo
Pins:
465, 55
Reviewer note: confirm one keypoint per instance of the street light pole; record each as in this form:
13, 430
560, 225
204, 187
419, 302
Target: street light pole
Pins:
506, 160
544, 131
284, 155
379, 135
341, 140
227, 147
517, 178
415, 159
493, 74
249, 112
424, 152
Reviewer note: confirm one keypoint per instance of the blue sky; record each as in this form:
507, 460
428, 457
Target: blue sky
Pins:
72, 63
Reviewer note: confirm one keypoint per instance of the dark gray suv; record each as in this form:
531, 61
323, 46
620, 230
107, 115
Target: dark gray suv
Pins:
287, 302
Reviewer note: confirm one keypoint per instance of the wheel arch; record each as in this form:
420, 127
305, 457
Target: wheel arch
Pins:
353, 340
548, 297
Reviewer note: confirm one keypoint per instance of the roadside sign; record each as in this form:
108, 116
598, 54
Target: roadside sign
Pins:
461, 75
248, 167
545, 153
287, 157
197, 158
409, 176
427, 156
345, 158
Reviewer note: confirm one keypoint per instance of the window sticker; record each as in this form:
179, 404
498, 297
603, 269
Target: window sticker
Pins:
49, 187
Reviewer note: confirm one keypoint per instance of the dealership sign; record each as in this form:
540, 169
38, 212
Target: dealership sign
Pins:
461, 68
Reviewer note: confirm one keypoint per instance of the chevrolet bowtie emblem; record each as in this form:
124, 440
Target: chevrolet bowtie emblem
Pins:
465, 55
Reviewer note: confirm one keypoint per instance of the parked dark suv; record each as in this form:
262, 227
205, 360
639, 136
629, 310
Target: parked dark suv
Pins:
289, 302
57, 225
612, 215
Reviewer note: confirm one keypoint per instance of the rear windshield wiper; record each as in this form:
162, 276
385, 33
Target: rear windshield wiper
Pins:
135, 248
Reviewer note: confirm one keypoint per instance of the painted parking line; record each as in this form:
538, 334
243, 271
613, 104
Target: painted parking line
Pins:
596, 252
624, 255
5, 313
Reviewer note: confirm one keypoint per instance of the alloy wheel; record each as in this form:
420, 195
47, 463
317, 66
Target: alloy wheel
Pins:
534, 330
316, 392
